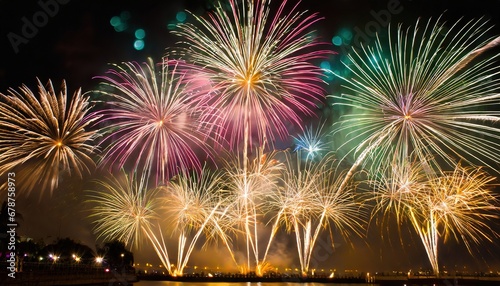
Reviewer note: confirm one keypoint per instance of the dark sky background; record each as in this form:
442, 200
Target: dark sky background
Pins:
77, 42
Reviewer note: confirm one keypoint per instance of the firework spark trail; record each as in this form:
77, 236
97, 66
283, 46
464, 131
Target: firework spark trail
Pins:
221, 227
314, 142
259, 66
43, 137
160, 247
450, 204
192, 203
123, 209
430, 93
311, 201
395, 186
260, 70
152, 121
457, 204
247, 194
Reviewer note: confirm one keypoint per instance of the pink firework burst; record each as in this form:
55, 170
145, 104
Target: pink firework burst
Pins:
259, 62
152, 118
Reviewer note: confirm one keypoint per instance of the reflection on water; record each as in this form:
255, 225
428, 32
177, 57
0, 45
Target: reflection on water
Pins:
169, 283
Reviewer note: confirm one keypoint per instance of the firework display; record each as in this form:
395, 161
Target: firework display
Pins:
44, 137
456, 204
310, 201
124, 208
428, 92
250, 185
191, 204
209, 145
259, 64
151, 120
313, 142
194, 204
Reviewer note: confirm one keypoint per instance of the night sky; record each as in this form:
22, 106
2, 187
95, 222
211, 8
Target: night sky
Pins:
77, 42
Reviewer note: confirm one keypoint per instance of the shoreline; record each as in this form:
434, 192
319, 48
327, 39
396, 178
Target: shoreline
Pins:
382, 281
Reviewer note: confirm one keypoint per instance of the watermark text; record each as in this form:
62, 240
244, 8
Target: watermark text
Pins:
31, 25
11, 225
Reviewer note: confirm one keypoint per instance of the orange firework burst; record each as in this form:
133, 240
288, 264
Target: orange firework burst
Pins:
45, 137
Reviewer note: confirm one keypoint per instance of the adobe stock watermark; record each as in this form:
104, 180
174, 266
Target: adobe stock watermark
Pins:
31, 25
11, 225
381, 20
322, 252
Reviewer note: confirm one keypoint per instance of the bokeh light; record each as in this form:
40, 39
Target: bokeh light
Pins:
139, 45
337, 41
171, 25
140, 34
115, 21
325, 65
125, 15
122, 27
181, 16
346, 34
120, 22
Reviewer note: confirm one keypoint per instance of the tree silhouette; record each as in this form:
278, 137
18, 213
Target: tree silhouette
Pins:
68, 251
116, 255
